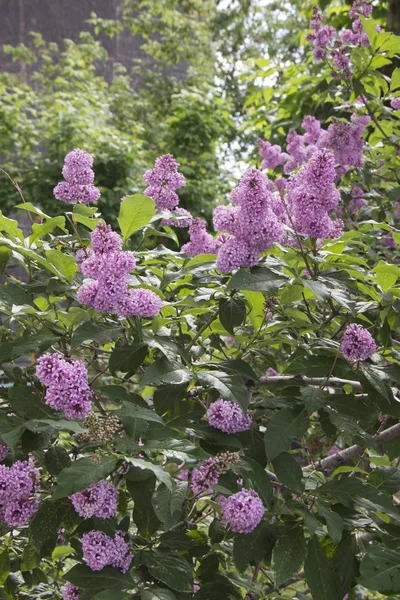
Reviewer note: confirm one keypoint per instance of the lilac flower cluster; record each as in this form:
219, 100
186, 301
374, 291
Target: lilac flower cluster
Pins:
70, 592
100, 499
395, 103
228, 417
181, 218
19, 487
337, 48
357, 343
312, 195
272, 155
67, 385
201, 242
3, 450
346, 141
99, 551
162, 182
210, 471
78, 186
108, 268
250, 225
243, 511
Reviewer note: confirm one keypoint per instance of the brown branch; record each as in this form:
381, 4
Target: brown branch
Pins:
336, 460
333, 381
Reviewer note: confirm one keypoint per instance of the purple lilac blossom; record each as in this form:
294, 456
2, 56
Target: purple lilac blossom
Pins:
100, 499
395, 103
388, 240
78, 186
272, 155
243, 511
99, 551
19, 486
272, 373
228, 417
357, 343
139, 302
67, 385
162, 182
312, 194
251, 221
70, 592
357, 200
346, 141
201, 242
209, 472
3, 450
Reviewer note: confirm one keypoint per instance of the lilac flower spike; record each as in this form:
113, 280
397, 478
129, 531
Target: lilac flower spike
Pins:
99, 551
228, 417
70, 592
19, 485
357, 343
162, 182
78, 186
243, 511
100, 499
67, 385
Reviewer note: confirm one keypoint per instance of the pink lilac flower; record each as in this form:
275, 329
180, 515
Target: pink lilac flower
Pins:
3, 450
108, 268
99, 551
389, 241
312, 194
209, 472
346, 142
251, 221
201, 242
395, 103
357, 343
100, 499
19, 487
184, 218
272, 373
67, 385
70, 592
139, 302
162, 182
228, 417
334, 450
272, 155
312, 127
243, 511
78, 186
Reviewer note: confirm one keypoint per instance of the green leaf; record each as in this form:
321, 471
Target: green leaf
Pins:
10, 227
135, 212
251, 547
141, 492
112, 595
127, 359
334, 522
157, 594
11, 350
395, 81
345, 564
166, 398
25, 400
313, 398
56, 459
288, 471
38, 231
158, 471
288, 554
84, 578
232, 312
259, 279
81, 473
65, 264
287, 424
171, 569
46, 522
61, 552
386, 479
386, 275
380, 570
168, 504
255, 477
319, 575
30, 558
4, 566
102, 333
354, 492
231, 387
164, 372
130, 412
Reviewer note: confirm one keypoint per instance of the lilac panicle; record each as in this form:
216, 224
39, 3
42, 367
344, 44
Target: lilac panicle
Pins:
100, 499
78, 186
19, 487
228, 417
99, 551
243, 511
209, 471
201, 241
162, 182
70, 592
357, 343
67, 385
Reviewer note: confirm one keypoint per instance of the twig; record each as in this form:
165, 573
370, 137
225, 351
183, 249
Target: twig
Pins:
202, 329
